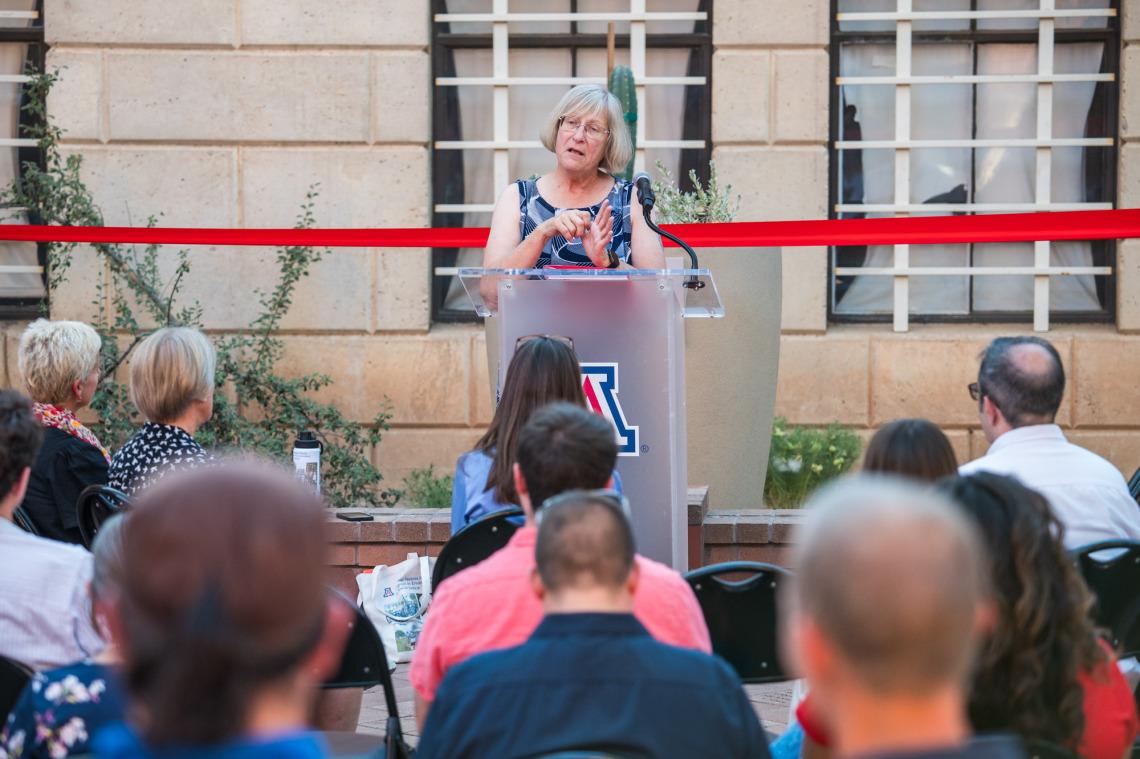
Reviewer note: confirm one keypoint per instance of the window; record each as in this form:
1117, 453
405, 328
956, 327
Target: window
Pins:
973, 106
21, 43
497, 77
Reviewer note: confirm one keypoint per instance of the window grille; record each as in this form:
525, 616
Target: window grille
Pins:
973, 106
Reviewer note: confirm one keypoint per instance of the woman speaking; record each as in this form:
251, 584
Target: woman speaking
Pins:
579, 214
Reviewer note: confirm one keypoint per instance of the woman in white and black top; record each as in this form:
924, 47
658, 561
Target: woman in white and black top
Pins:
172, 384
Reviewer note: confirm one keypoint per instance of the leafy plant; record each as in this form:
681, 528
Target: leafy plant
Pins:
256, 409
427, 490
703, 205
801, 459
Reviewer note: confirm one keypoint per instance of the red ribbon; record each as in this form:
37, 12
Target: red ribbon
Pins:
1069, 225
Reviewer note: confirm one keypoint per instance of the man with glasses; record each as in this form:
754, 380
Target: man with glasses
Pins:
1019, 389
492, 605
590, 677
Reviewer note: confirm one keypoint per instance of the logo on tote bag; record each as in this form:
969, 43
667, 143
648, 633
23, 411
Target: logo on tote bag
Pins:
600, 383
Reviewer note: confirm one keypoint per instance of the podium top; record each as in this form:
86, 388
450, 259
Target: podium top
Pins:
482, 285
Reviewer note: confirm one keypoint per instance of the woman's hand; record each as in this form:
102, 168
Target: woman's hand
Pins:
568, 224
598, 236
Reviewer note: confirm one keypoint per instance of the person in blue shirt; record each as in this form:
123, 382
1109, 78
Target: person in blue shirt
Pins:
543, 370
590, 677
223, 618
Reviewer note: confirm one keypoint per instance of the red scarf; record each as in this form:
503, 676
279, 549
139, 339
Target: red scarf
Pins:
62, 419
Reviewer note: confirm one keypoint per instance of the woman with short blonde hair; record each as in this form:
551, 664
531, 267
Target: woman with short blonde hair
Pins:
172, 384
579, 214
59, 365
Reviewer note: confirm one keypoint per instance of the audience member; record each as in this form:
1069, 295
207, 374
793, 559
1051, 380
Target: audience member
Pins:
1042, 674
913, 448
885, 626
61, 709
543, 370
172, 384
224, 621
1019, 389
59, 365
492, 605
590, 677
45, 613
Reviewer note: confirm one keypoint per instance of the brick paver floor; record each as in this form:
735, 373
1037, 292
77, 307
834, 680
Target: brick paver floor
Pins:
770, 702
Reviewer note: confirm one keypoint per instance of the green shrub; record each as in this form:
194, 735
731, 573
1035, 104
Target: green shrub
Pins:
712, 204
801, 459
425, 489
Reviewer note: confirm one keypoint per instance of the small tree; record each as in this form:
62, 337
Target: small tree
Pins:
266, 409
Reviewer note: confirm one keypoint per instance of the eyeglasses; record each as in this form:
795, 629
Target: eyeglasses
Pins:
975, 390
569, 124
608, 496
567, 341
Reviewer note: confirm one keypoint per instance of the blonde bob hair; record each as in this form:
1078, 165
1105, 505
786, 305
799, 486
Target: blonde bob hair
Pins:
53, 355
588, 100
171, 369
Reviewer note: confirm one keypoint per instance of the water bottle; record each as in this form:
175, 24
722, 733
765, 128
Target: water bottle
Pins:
307, 459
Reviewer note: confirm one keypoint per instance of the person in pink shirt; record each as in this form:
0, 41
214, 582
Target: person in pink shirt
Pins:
493, 604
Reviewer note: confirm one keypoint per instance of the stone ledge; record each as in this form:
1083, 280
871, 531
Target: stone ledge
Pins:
718, 535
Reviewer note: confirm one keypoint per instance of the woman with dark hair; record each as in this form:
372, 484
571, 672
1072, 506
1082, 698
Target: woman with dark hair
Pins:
543, 370
223, 619
912, 448
1043, 673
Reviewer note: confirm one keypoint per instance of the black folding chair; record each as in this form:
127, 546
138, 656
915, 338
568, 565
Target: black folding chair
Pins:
97, 504
741, 616
1134, 486
474, 543
1111, 569
364, 664
14, 676
20, 518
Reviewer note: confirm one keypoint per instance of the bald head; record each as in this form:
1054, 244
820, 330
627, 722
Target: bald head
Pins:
1024, 378
892, 575
584, 541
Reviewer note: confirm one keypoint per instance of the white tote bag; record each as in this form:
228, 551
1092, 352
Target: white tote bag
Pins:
395, 598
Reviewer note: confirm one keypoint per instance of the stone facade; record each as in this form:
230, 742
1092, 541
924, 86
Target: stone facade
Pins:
225, 114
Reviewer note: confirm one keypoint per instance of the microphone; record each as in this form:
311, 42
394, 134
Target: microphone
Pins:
644, 185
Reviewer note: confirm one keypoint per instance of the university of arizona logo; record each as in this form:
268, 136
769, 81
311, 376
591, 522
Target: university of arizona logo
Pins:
388, 592
600, 383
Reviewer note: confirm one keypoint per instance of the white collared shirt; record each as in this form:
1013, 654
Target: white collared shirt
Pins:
45, 612
1087, 493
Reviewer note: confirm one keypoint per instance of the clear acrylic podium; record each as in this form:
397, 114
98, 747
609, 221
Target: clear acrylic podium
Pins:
628, 332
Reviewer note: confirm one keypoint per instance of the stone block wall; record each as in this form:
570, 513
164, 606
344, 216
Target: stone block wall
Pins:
223, 113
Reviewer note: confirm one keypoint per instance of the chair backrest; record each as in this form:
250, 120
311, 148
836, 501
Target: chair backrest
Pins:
1134, 486
1111, 569
14, 676
738, 599
474, 543
97, 504
20, 519
365, 664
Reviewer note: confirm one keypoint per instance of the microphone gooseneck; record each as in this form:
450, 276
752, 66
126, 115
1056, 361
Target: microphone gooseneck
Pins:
646, 197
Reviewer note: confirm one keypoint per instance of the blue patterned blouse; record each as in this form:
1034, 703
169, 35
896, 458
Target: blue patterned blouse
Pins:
535, 210
59, 711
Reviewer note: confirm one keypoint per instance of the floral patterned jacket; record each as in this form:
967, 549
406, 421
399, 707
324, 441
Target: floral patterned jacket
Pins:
59, 711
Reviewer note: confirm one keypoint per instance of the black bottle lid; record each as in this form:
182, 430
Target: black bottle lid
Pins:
306, 440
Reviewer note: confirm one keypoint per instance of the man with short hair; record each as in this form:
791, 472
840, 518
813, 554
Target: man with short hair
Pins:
888, 606
1019, 389
45, 612
492, 605
590, 677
